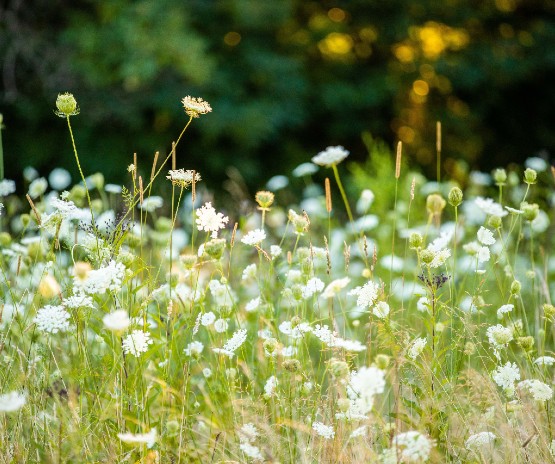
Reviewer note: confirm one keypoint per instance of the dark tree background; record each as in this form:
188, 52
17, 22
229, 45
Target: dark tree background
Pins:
285, 79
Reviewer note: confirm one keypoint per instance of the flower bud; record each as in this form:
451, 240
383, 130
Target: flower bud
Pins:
515, 287
435, 204
270, 345
495, 222
415, 240
67, 105
526, 343
188, 260
343, 404
500, 176
5, 239
215, 248
530, 211
338, 368
530, 176
292, 365
382, 361
549, 310
264, 199
427, 256
455, 197
49, 287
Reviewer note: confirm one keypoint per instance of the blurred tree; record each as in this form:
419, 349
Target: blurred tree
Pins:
285, 80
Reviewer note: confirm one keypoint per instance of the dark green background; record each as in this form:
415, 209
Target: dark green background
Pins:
285, 78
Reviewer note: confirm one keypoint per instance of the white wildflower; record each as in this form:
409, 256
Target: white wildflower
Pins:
545, 361
275, 251
78, 301
505, 309
540, 391
98, 282
139, 438
359, 432
270, 386
485, 236
59, 178
314, 285
116, 321
423, 304
381, 310
335, 287
37, 187
136, 343
252, 305
488, 206
194, 349
151, 203
323, 430
248, 433
12, 401
249, 272
251, 451
7, 187
238, 338
207, 319
366, 295
363, 385
254, 237
412, 447
207, 372
506, 376
183, 178
330, 156
221, 325
478, 440
483, 254
195, 106
52, 319
417, 347
209, 220
499, 336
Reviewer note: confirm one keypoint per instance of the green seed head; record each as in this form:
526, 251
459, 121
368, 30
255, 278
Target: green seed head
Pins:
500, 176
415, 240
530, 176
67, 105
455, 197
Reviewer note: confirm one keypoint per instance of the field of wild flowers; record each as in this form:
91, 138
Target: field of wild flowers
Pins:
400, 321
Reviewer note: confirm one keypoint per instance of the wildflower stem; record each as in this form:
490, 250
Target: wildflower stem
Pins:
342, 191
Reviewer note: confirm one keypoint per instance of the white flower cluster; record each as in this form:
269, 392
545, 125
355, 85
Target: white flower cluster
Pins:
366, 295
229, 348
363, 385
208, 220
323, 430
330, 156
408, 447
328, 338
52, 319
99, 281
539, 390
254, 237
12, 401
116, 321
270, 386
335, 286
499, 337
7, 187
506, 376
194, 349
136, 343
504, 309
139, 438
248, 435
221, 292
478, 440
417, 347
490, 207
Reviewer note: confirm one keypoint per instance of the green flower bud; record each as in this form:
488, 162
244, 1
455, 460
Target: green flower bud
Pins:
415, 240
382, 361
500, 176
469, 348
163, 224
264, 199
530, 176
338, 368
515, 287
215, 248
172, 428
526, 343
495, 222
427, 256
343, 404
292, 365
97, 180
188, 260
67, 105
455, 197
5, 239
97, 205
270, 345
530, 211
549, 311
25, 219
435, 204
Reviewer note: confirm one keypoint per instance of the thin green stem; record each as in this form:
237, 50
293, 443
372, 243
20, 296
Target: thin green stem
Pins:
342, 191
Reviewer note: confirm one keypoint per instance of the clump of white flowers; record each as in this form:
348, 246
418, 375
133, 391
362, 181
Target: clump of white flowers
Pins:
136, 343
238, 338
52, 319
539, 390
506, 376
323, 430
408, 447
254, 237
417, 347
208, 220
479, 440
116, 321
330, 156
12, 401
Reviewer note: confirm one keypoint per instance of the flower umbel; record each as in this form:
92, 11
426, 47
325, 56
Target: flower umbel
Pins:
194, 107
67, 105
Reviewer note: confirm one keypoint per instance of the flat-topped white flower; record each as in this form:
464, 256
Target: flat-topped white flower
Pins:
12, 401
194, 107
540, 391
545, 361
136, 343
323, 430
208, 220
139, 438
330, 156
485, 236
254, 237
183, 178
52, 319
478, 440
117, 321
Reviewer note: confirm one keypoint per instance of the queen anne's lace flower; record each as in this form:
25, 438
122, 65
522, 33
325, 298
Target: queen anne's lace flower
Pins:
485, 236
116, 321
52, 319
412, 446
239, 337
330, 156
209, 220
417, 347
98, 282
194, 107
539, 390
366, 295
323, 430
136, 343
254, 237
545, 361
183, 178
251, 451
194, 349
506, 376
7, 187
270, 386
478, 440
363, 385
137, 438
12, 401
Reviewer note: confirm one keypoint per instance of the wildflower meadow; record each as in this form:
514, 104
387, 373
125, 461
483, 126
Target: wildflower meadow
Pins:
369, 315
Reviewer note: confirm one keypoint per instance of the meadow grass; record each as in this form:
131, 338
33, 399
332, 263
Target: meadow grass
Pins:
397, 320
